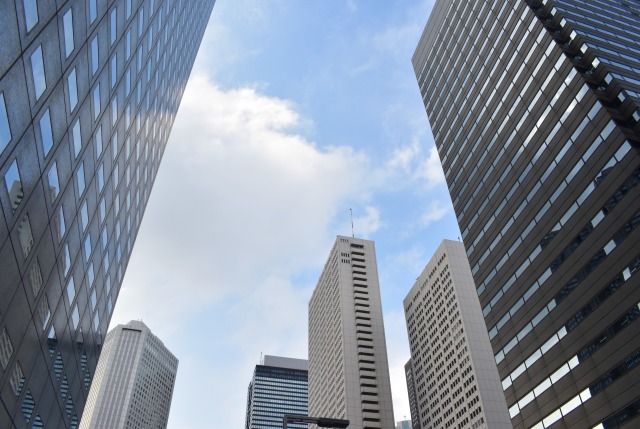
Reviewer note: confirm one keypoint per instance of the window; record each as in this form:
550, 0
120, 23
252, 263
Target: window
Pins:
28, 405
37, 69
71, 291
73, 89
76, 137
105, 238
113, 26
128, 44
80, 179
60, 225
87, 247
75, 317
114, 70
94, 55
67, 24
66, 260
103, 210
94, 300
6, 348
46, 132
43, 311
140, 22
14, 185
127, 82
114, 144
35, 277
17, 380
91, 275
54, 183
114, 110
98, 141
128, 8
30, 13
100, 177
93, 10
96, 102
5, 130
25, 236
84, 216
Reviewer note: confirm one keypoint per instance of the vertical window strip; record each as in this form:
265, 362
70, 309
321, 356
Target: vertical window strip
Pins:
5, 130
37, 70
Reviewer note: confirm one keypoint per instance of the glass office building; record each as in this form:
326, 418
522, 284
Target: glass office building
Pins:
88, 93
279, 386
535, 110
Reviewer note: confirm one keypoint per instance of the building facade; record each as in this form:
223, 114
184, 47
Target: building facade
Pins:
348, 368
279, 386
413, 394
534, 106
404, 424
134, 381
456, 379
88, 93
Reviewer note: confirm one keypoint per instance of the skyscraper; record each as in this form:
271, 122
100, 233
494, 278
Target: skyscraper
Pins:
456, 380
348, 369
134, 381
534, 106
413, 394
279, 386
88, 93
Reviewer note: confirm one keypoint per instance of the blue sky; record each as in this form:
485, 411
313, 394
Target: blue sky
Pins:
296, 111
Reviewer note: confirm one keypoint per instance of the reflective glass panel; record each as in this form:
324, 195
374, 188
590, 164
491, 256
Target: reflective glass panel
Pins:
80, 178
96, 102
30, 13
25, 235
113, 26
37, 69
93, 10
67, 23
5, 131
94, 55
73, 89
77, 139
54, 183
14, 185
46, 132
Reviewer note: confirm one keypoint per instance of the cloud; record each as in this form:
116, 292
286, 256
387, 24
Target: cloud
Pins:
238, 188
434, 213
430, 169
368, 224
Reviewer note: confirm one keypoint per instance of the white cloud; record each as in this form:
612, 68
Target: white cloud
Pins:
237, 188
367, 224
434, 213
430, 169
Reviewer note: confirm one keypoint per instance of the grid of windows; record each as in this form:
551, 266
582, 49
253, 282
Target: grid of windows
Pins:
453, 376
538, 130
67, 134
346, 339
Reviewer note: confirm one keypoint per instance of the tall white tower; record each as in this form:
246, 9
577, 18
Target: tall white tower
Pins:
348, 369
455, 375
134, 381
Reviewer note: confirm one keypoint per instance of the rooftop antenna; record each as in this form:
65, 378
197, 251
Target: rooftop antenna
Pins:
261, 359
352, 233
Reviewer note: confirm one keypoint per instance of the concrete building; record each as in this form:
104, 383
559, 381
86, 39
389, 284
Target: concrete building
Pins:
456, 378
88, 93
413, 394
348, 368
404, 424
534, 106
134, 381
279, 386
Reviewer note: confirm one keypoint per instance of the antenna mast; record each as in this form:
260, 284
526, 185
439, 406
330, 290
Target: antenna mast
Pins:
353, 235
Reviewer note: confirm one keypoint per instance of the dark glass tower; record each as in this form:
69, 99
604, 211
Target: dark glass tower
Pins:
89, 90
534, 106
279, 386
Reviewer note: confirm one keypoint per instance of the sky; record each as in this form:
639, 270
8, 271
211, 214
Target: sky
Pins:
296, 111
